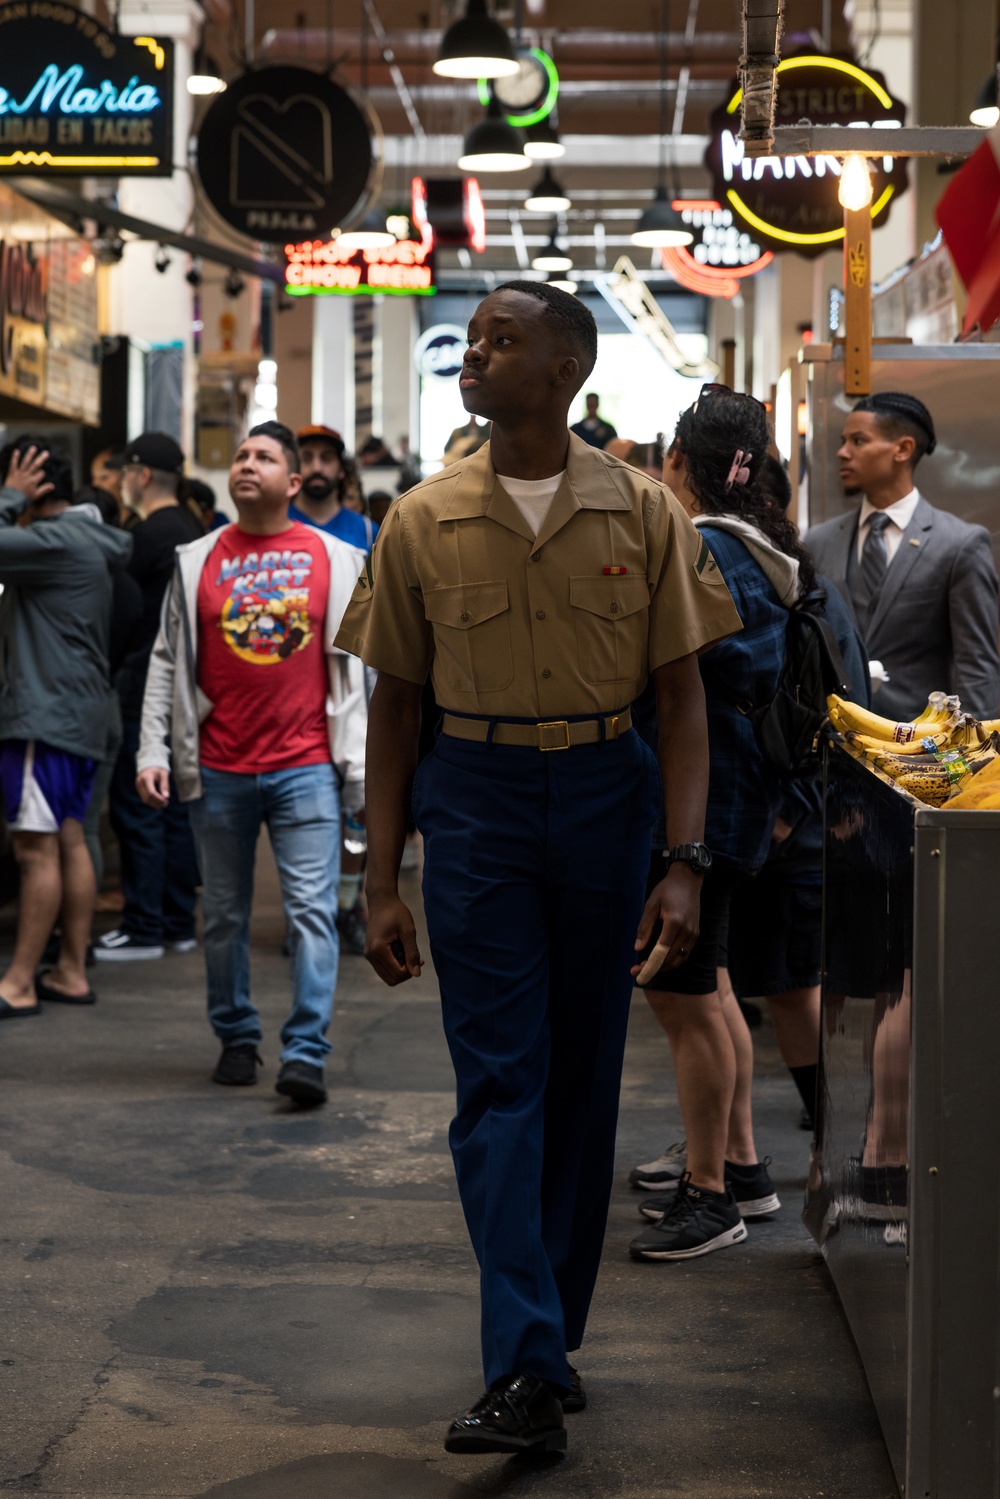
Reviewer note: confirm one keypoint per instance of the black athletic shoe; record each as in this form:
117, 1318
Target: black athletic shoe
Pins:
301, 1081
696, 1222
752, 1188
237, 1066
519, 1414
353, 928
576, 1399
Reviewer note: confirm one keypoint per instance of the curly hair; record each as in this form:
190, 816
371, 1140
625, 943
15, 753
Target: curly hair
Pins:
576, 320
720, 424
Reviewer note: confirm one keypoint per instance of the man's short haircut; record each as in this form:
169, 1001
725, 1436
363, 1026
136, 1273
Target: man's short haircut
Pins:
575, 320
165, 481
58, 469
900, 415
592, 396
284, 436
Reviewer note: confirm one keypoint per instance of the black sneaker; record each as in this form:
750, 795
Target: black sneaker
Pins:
696, 1222
663, 1174
121, 947
752, 1188
301, 1081
353, 928
237, 1066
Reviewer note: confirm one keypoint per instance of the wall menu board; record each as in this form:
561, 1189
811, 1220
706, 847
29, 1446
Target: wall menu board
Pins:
76, 99
48, 314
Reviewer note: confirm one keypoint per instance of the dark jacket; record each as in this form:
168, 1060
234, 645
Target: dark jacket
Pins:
55, 617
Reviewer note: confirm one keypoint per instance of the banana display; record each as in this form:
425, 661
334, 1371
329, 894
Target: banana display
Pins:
933, 759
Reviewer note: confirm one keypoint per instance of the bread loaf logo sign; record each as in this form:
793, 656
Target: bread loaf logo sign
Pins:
286, 153
265, 619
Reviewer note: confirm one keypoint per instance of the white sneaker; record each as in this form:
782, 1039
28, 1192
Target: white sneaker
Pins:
122, 947
663, 1174
186, 944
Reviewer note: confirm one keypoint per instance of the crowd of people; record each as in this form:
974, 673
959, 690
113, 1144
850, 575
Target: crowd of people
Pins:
597, 812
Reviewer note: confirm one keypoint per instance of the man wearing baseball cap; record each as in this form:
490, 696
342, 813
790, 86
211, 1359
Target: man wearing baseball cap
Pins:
158, 863
319, 500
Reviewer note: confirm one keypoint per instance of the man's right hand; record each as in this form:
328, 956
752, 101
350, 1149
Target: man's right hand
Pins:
389, 922
153, 786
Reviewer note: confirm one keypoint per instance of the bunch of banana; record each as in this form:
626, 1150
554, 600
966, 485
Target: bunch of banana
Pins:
980, 791
931, 776
940, 716
967, 733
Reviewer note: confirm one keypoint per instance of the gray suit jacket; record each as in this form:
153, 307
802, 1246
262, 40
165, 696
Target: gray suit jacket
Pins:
935, 627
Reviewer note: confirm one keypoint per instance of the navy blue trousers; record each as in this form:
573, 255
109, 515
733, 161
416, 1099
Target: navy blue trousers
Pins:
534, 873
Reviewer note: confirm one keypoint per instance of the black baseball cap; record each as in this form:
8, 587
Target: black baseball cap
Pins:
152, 450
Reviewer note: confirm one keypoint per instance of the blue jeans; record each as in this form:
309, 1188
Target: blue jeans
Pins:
301, 808
158, 866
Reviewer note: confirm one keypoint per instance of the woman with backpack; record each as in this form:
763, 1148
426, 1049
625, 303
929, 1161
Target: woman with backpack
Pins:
713, 467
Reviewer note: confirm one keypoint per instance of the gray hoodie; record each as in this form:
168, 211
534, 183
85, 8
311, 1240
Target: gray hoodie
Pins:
55, 616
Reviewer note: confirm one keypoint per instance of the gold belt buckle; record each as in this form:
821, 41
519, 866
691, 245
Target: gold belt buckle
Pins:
562, 726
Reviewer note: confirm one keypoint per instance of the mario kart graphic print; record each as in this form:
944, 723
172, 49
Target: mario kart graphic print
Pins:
265, 618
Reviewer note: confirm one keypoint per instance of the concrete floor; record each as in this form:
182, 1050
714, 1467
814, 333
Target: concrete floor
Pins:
206, 1293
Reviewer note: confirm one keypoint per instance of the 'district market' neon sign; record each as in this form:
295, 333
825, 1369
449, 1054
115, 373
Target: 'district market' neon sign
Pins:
134, 98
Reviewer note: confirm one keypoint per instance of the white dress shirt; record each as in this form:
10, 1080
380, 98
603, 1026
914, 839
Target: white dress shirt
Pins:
900, 513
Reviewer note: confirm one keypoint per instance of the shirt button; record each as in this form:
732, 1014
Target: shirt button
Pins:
539, 613
535, 556
465, 616
546, 673
614, 607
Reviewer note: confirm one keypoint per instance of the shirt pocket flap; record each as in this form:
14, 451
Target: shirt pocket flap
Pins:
465, 605
612, 598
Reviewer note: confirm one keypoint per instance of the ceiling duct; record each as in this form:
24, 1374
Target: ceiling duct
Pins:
763, 23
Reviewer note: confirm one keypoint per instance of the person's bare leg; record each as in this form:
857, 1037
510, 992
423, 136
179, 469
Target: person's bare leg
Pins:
887, 1139
795, 1017
37, 856
740, 1147
705, 1065
79, 894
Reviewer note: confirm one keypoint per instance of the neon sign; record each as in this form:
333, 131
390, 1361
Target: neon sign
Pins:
722, 257
77, 98
322, 268
790, 202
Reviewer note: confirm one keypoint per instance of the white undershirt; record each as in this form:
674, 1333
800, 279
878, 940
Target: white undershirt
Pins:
533, 497
900, 513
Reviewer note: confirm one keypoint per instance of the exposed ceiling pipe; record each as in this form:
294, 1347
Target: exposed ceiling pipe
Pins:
413, 46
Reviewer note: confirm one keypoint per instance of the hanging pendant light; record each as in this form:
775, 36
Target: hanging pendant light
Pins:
985, 112
493, 145
660, 226
552, 258
563, 283
373, 233
476, 47
547, 196
542, 141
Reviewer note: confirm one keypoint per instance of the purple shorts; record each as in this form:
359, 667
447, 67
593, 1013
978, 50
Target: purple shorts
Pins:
43, 786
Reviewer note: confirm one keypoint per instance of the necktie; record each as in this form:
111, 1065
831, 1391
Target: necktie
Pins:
874, 559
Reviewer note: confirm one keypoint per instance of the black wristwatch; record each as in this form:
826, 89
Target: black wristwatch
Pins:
695, 854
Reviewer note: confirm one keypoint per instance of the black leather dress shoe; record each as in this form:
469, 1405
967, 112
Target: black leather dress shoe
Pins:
576, 1397
519, 1414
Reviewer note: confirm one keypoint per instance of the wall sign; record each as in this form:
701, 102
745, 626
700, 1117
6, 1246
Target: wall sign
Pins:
790, 202
440, 350
76, 99
284, 152
48, 314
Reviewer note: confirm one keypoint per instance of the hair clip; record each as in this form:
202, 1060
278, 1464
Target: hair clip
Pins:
740, 471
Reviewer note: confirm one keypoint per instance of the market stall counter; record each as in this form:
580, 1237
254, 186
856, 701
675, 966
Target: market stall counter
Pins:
904, 1189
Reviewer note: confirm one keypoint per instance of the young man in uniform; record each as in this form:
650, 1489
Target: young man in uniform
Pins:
538, 582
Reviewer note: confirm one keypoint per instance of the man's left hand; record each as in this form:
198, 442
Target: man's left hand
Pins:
675, 902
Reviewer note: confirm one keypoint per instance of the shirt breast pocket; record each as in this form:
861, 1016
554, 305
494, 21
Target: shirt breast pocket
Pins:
471, 623
612, 627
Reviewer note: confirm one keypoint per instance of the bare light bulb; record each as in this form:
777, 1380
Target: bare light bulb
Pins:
855, 190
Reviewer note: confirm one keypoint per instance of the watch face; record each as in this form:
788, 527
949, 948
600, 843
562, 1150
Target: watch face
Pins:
524, 89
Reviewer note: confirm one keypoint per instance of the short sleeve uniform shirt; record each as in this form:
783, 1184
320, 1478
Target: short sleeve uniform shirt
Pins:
566, 623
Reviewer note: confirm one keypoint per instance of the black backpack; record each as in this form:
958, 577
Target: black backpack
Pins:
787, 728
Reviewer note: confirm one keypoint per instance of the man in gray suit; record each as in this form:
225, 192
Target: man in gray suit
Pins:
921, 584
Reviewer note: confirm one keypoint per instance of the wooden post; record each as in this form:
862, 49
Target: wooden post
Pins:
729, 362
858, 301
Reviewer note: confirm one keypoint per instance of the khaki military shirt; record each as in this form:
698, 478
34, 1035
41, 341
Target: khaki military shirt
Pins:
522, 626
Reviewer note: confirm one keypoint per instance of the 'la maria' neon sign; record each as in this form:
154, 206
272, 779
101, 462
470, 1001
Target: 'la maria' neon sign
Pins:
62, 91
